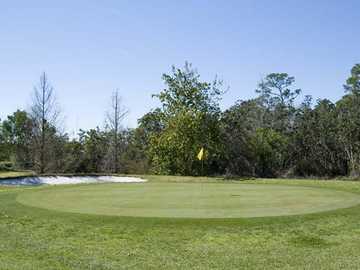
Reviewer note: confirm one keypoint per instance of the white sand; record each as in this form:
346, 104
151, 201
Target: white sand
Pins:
64, 180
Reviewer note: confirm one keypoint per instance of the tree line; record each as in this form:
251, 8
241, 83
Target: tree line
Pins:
274, 134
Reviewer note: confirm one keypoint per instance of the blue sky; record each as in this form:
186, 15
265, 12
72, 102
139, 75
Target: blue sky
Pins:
89, 48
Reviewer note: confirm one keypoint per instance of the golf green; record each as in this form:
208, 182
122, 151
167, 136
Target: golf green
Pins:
188, 200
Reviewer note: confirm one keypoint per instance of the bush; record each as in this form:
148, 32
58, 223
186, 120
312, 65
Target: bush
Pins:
6, 166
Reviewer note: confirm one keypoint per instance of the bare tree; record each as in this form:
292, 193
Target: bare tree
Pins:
114, 117
45, 113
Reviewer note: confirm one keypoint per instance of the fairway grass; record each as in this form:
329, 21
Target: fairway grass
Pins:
189, 200
38, 238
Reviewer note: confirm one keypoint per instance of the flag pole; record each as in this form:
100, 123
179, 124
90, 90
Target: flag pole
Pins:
202, 167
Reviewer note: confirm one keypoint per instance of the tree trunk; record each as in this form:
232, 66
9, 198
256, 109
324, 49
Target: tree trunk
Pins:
42, 144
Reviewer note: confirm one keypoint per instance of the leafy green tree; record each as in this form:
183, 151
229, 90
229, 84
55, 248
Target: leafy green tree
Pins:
269, 148
133, 158
150, 126
275, 88
4, 147
238, 125
188, 120
75, 157
186, 91
17, 139
317, 150
152, 123
277, 92
353, 82
348, 116
174, 150
95, 149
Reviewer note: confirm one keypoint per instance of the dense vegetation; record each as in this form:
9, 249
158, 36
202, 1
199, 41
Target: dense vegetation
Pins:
274, 134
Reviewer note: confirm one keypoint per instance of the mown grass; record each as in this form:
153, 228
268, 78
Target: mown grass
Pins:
33, 238
11, 174
188, 200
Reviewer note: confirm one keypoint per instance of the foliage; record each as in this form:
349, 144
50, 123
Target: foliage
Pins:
353, 82
269, 148
238, 125
17, 139
316, 145
187, 121
278, 97
271, 135
348, 113
186, 91
6, 166
174, 150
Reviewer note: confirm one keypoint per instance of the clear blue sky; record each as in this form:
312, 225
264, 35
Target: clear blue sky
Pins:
89, 48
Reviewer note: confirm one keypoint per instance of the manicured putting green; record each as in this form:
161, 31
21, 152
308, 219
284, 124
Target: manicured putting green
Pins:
189, 200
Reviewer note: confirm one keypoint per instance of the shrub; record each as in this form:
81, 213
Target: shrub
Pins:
6, 166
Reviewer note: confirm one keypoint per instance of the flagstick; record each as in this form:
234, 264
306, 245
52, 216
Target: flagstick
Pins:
202, 167
200, 156
202, 173
201, 182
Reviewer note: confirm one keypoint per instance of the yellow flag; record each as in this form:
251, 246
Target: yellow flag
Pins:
200, 156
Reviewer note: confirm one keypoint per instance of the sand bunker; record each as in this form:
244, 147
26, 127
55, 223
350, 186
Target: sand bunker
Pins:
64, 180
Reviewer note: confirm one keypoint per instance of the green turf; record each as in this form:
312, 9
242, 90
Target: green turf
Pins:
14, 174
36, 238
189, 200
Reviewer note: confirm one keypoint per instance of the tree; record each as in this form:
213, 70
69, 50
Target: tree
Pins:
133, 157
45, 114
278, 96
276, 89
17, 137
353, 82
113, 120
269, 147
4, 146
185, 90
238, 125
152, 123
95, 143
188, 120
317, 150
74, 161
348, 116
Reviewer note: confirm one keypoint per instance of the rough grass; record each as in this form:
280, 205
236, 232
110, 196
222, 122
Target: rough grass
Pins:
33, 238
